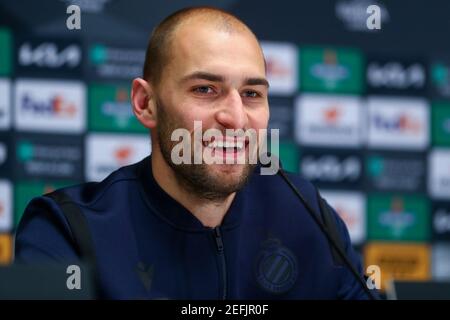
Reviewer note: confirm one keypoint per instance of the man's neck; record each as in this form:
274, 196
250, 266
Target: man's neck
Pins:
210, 213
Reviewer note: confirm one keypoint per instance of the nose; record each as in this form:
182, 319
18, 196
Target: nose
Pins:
232, 114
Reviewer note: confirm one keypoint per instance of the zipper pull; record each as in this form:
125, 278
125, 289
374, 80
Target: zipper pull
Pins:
218, 238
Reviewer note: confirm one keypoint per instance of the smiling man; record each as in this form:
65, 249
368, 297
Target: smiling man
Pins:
214, 72
195, 230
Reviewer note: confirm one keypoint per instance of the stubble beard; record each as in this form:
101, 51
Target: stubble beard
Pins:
198, 179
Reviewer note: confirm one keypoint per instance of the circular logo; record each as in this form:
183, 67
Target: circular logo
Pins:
276, 268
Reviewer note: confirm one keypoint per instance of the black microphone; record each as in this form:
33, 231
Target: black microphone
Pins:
316, 219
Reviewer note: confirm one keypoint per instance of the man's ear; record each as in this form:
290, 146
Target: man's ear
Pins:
143, 103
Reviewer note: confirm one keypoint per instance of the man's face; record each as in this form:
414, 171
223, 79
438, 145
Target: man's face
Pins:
218, 78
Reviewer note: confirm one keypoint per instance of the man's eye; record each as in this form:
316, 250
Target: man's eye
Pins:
203, 90
251, 94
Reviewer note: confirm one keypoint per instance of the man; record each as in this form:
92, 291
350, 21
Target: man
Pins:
196, 231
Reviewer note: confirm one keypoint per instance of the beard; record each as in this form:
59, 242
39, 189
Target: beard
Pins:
198, 179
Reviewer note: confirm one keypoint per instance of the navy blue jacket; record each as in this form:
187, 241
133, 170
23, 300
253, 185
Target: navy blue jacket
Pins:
267, 247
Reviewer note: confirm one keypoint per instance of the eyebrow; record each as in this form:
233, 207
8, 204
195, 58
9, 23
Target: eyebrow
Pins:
218, 78
257, 82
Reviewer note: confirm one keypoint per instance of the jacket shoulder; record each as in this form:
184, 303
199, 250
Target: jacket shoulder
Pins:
44, 232
90, 194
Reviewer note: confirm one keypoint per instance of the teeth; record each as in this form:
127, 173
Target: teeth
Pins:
226, 144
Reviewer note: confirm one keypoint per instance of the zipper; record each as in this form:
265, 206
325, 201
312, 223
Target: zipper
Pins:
223, 266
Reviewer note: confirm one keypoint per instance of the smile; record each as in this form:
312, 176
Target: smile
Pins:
226, 145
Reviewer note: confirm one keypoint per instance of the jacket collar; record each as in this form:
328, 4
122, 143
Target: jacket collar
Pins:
175, 214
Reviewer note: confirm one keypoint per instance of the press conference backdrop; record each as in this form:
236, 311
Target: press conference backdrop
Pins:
364, 114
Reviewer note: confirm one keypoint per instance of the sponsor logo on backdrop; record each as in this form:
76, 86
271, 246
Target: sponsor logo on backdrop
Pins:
405, 218
53, 157
441, 262
331, 169
115, 62
6, 244
5, 205
334, 121
5, 104
398, 123
107, 152
351, 207
353, 13
440, 124
50, 106
5, 52
441, 221
440, 79
396, 76
439, 173
399, 172
110, 109
53, 57
331, 70
282, 67
399, 261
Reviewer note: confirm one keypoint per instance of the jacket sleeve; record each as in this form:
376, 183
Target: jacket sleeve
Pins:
43, 235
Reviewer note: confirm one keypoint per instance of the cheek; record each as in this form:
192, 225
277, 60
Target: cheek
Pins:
259, 120
191, 113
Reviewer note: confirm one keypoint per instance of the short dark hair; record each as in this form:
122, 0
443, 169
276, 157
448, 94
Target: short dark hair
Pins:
158, 50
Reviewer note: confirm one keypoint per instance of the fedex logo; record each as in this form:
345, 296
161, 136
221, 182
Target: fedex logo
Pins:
56, 105
398, 123
50, 106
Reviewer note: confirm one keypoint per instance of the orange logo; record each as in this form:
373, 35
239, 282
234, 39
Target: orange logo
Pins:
331, 115
402, 261
5, 249
123, 154
60, 106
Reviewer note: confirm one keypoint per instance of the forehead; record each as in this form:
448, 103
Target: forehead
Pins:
200, 46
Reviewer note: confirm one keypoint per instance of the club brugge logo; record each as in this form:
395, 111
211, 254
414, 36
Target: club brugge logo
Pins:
276, 267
